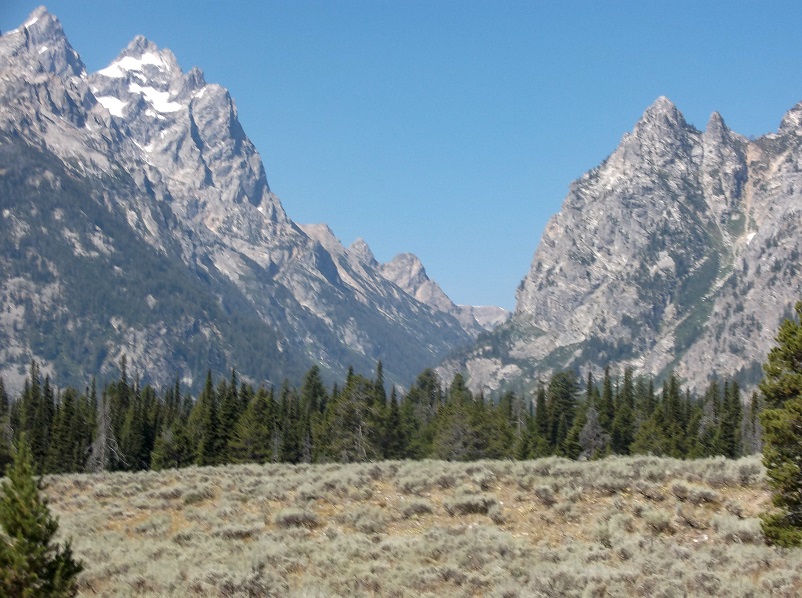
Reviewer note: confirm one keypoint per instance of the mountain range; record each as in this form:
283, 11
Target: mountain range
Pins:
680, 252
137, 220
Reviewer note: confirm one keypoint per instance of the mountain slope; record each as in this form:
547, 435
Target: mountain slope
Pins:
147, 174
678, 252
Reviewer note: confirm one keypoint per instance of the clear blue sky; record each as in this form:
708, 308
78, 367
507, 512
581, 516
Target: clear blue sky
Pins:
452, 129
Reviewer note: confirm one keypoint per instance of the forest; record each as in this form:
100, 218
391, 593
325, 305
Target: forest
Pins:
130, 427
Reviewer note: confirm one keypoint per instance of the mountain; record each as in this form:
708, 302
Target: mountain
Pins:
679, 252
407, 271
137, 219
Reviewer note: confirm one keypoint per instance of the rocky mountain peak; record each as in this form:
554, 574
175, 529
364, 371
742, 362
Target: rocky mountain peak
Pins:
43, 35
143, 60
405, 270
716, 125
361, 250
659, 138
792, 121
663, 114
169, 207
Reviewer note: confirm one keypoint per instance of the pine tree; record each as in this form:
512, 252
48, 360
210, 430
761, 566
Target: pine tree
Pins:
782, 433
607, 404
622, 433
561, 405
541, 446
30, 564
172, 448
352, 429
231, 408
6, 431
394, 442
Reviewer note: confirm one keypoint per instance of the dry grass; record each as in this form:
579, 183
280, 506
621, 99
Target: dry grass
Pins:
637, 526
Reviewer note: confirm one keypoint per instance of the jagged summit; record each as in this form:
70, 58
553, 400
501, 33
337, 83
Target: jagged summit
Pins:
143, 57
164, 240
678, 253
362, 251
43, 36
792, 121
662, 118
715, 122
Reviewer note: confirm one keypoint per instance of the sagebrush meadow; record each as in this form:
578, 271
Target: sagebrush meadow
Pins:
620, 526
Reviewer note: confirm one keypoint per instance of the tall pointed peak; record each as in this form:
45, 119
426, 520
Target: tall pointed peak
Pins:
45, 35
141, 54
792, 121
38, 13
716, 127
43, 27
362, 251
409, 263
716, 122
663, 111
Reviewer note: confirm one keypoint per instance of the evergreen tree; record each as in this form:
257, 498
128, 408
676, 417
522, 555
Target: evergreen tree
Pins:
752, 430
31, 565
622, 433
5, 403
352, 428
293, 428
561, 405
782, 433
541, 446
204, 425
607, 404
63, 440
252, 438
394, 443
418, 410
172, 448
6, 431
231, 409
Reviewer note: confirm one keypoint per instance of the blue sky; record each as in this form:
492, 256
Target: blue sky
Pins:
452, 129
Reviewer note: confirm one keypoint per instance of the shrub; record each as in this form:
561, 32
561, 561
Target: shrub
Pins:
546, 495
296, 517
198, 496
657, 521
467, 503
417, 507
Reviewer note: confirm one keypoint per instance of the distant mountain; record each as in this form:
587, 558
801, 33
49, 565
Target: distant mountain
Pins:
136, 218
681, 252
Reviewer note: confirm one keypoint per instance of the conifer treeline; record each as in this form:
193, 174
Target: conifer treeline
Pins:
126, 426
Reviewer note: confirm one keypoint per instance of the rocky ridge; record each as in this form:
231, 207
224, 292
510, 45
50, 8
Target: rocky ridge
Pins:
161, 176
679, 252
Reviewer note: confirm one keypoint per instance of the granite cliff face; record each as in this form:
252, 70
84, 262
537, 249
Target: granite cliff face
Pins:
137, 218
679, 252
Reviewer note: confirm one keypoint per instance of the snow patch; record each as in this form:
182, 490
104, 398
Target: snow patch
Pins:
32, 22
118, 68
160, 100
153, 114
749, 237
113, 105
43, 49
